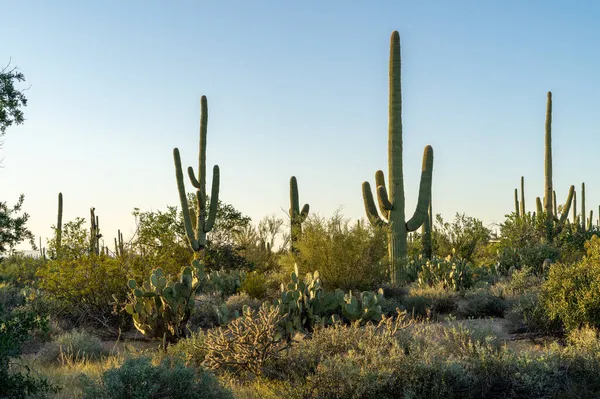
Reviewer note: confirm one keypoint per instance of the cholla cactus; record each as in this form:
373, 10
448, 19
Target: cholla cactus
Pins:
246, 343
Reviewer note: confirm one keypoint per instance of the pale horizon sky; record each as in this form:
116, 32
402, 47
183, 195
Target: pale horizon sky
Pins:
296, 88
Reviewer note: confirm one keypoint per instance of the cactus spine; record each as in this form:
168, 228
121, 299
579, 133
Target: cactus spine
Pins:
297, 216
204, 223
391, 200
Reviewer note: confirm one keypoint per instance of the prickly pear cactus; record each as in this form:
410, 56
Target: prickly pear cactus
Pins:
304, 303
162, 308
366, 308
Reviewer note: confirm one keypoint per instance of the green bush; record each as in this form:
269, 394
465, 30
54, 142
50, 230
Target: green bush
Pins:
205, 311
481, 303
10, 297
429, 361
15, 328
72, 346
171, 379
570, 293
85, 287
346, 256
255, 285
526, 314
20, 270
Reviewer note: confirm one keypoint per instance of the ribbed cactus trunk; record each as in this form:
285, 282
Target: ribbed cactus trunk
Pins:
548, 161
391, 200
59, 224
522, 195
297, 216
574, 208
517, 203
583, 224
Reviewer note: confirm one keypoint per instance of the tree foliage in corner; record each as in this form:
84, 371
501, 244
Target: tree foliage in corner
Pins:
11, 99
12, 226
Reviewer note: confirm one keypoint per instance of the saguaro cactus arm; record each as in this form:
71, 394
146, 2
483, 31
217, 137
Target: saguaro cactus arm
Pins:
370, 208
421, 214
187, 221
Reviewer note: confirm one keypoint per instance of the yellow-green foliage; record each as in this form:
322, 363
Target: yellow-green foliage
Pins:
571, 291
347, 256
85, 285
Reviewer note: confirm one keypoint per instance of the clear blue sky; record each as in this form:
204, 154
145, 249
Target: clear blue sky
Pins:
296, 88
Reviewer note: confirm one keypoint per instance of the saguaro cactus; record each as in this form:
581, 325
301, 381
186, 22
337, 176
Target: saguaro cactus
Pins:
59, 223
391, 200
583, 224
426, 233
94, 233
552, 218
119, 244
297, 216
522, 195
196, 232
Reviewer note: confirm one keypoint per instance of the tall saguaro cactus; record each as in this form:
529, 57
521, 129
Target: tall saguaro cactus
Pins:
204, 222
94, 233
391, 200
297, 216
583, 224
59, 223
552, 219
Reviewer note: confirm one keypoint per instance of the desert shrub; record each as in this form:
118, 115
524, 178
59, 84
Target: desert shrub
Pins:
526, 314
20, 270
170, 379
429, 361
72, 346
440, 299
160, 242
85, 287
190, 349
10, 297
346, 256
464, 238
417, 306
481, 303
205, 312
570, 293
586, 339
16, 327
255, 285
236, 303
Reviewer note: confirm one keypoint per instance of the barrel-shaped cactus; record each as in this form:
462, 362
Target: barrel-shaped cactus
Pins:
391, 199
204, 221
